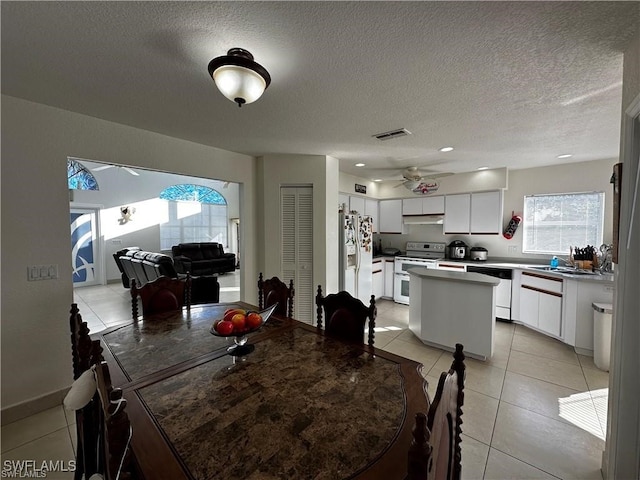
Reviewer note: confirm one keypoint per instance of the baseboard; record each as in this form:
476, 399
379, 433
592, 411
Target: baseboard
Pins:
33, 406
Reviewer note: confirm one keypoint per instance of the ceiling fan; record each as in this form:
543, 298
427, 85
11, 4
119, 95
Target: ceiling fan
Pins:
421, 182
104, 167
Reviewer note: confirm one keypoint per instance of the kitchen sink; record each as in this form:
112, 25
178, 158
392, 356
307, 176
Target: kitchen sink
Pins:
566, 270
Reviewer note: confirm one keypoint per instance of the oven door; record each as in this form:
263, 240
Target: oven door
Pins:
401, 288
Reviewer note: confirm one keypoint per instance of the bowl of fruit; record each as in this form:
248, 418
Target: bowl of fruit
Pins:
238, 323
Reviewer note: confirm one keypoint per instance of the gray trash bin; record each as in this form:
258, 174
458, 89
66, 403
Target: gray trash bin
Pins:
602, 334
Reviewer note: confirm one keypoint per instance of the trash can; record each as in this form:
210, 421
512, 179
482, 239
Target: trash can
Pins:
602, 334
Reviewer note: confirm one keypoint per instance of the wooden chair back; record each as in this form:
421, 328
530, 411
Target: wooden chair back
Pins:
85, 353
164, 294
116, 432
435, 452
274, 290
346, 316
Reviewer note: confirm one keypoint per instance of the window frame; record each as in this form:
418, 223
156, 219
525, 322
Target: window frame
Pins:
527, 227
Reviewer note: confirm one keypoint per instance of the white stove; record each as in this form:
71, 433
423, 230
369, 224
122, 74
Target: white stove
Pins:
418, 254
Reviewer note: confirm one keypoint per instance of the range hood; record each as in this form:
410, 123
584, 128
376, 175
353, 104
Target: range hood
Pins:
423, 219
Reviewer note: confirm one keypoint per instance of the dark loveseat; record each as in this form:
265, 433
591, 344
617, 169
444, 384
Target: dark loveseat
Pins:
145, 267
207, 258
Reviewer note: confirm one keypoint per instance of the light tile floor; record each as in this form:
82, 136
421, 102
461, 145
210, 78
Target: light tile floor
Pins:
536, 410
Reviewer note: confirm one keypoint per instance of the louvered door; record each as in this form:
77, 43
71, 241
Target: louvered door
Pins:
297, 247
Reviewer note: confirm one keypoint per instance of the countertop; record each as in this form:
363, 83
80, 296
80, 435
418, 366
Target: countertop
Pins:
454, 276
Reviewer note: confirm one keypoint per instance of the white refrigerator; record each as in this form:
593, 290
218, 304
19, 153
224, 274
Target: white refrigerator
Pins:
356, 253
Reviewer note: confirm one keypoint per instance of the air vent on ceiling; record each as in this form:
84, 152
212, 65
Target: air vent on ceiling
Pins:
401, 132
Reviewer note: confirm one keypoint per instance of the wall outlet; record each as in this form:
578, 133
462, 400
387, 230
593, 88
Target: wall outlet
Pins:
513, 249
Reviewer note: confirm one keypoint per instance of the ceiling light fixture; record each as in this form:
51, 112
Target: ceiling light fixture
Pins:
377, 179
238, 77
446, 149
360, 164
565, 155
483, 168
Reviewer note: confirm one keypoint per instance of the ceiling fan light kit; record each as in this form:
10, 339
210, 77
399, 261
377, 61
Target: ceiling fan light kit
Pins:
238, 77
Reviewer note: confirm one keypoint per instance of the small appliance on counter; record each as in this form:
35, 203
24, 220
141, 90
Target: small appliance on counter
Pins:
478, 254
457, 250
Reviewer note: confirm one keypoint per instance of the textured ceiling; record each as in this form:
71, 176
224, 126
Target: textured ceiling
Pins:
506, 83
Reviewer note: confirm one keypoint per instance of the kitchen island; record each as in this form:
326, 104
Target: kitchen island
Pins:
447, 307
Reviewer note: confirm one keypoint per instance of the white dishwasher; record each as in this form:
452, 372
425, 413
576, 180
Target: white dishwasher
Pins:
503, 290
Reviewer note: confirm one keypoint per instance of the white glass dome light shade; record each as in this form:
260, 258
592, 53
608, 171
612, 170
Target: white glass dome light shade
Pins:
239, 84
238, 77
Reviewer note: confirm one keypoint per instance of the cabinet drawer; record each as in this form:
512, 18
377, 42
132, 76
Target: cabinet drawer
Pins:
541, 282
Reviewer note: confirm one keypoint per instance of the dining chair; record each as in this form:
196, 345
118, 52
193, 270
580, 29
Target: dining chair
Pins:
346, 316
115, 431
274, 290
164, 294
435, 452
85, 353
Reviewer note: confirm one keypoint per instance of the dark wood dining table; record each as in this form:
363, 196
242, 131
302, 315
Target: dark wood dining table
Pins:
302, 405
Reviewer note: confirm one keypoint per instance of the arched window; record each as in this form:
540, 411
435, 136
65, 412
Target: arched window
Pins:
79, 178
196, 214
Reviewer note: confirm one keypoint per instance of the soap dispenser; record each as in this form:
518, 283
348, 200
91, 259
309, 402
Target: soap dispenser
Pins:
554, 262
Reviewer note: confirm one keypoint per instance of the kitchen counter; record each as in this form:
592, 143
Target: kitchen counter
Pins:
438, 317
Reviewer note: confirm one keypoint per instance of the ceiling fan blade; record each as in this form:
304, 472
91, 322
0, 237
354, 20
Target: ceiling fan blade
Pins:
132, 172
104, 167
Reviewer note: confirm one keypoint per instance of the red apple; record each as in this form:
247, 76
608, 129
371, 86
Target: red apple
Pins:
254, 320
224, 327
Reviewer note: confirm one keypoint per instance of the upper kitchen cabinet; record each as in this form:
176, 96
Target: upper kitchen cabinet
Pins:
357, 204
391, 216
475, 213
371, 209
486, 212
423, 205
457, 213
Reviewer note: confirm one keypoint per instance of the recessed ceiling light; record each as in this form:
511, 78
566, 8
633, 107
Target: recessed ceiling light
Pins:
483, 168
360, 164
377, 179
446, 149
565, 155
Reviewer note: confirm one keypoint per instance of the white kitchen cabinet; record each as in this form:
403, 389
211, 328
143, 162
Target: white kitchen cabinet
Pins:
433, 205
378, 278
549, 313
475, 213
389, 264
541, 302
486, 212
371, 209
357, 204
391, 216
412, 206
457, 211
423, 206
579, 295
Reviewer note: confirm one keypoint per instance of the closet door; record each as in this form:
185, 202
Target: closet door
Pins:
296, 204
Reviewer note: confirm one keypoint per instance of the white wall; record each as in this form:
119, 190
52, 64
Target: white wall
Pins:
36, 140
322, 173
119, 188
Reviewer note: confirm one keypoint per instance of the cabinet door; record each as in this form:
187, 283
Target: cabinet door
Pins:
371, 209
433, 205
357, 204
550, 313
391, 216
486, 212
378, 279
412, 206
529, 307
457, 210
388, 278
